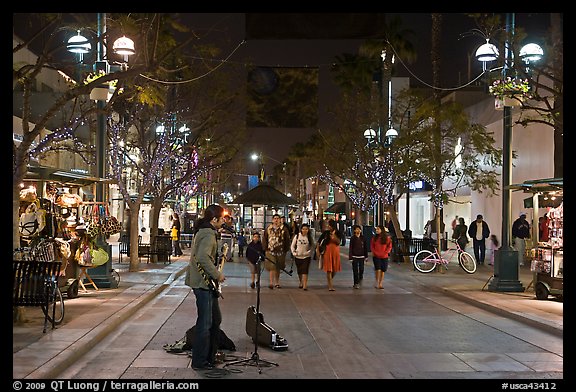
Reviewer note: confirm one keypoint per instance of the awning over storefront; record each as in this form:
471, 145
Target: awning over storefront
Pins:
337, 208
550, 191
543, 185
44, 173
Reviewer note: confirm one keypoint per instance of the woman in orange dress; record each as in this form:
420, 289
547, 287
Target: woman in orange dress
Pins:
331, 257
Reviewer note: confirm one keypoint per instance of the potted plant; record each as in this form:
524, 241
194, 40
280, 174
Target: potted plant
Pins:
509, 91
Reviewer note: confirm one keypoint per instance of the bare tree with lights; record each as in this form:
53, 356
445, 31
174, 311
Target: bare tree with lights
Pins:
70, 108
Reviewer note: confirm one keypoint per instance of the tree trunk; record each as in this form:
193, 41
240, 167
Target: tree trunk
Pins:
156, 207
134, 233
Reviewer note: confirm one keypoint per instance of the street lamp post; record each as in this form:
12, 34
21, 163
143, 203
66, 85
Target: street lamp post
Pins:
102, 275
506, 257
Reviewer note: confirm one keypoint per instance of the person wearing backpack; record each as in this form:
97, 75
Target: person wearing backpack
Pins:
302, 247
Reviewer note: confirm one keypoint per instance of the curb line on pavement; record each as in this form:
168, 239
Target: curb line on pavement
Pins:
502, 312
64, 359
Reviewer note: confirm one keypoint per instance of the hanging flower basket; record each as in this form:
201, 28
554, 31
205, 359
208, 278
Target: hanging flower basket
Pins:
510, 87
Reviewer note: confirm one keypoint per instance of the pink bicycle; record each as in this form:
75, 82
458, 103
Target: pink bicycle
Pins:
426, 261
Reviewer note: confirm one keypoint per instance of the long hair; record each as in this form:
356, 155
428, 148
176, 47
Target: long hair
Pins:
333, 225
310, 240
211, 212
383, 234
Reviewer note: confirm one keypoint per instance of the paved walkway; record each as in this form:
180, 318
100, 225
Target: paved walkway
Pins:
94, 315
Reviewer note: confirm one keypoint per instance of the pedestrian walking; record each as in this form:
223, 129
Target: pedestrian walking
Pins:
455, 223
175, 235
254, 251
494, 244
227, 233
380, 246
357, 254
520, 233
276, 243
302, 248
479, 231
241, 239
329, 250
460, 234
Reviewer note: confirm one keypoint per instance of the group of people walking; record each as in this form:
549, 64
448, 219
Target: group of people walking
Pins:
203, 276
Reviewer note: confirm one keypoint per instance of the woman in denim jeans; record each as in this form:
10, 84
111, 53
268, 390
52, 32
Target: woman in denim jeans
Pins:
201, 277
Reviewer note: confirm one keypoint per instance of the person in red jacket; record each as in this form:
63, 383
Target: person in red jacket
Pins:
380, 246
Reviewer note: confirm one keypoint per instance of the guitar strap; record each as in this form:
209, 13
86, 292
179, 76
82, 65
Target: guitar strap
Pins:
204, 275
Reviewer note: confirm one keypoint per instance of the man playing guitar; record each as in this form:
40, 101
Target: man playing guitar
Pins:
202, 271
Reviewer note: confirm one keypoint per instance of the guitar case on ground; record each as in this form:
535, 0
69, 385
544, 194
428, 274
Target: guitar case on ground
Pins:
266, 334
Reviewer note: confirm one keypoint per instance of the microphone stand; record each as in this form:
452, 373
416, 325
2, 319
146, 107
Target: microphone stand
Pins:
255, 360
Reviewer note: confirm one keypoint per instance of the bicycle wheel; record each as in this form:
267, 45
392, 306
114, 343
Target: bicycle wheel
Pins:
467, 262
59, 308
116, 276
425, 261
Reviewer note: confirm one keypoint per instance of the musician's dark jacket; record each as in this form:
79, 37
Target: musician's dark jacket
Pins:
204, 251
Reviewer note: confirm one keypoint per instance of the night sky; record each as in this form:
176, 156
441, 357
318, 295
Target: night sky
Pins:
457, 60
240, 47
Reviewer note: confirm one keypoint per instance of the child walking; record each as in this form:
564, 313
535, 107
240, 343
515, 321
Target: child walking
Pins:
493, 246
357, 254
253, 252
241, 243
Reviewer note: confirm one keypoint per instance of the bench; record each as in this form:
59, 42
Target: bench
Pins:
161, 246
124, 246
35, 283
410, 246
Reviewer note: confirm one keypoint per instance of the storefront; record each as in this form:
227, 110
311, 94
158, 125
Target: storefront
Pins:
67, 207
547, 262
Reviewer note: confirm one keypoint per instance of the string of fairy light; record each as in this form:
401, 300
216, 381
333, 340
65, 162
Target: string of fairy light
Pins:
168, 149
54, 141
65, 138
373, 180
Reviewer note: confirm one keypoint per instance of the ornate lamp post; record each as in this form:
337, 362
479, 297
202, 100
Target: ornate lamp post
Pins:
506, 257
123, 46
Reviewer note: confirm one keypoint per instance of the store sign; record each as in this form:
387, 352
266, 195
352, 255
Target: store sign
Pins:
416, 185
